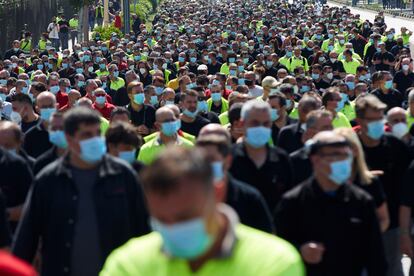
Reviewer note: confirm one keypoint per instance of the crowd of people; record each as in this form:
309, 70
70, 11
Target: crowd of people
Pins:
234, 138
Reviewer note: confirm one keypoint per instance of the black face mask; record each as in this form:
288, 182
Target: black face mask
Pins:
248, 82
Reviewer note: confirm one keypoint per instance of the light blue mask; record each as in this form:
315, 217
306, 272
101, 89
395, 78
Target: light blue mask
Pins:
350, 84
257, 137
3, 97
54, 89
388, 84
191, 85
139, 98
202, 106
187, 240
65, 65
315, 76
304, 88
116, 74
58, 139
169, 103
169, 128
341, 171
193, 59
154, 100
232, 72
102, 66
79, 70
181, 59
46, 113
288, 103
241, 81
92, 149
274, 114
190, 114
216, 97
25, 89
3, 82
128, 156
376, 129
159, 90
240, 68
217, 168
81, 83
100, 100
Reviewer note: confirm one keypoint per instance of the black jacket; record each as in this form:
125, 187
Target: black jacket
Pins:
290, 138
249, 205
346, 224
301, 165
45, 159
51, 209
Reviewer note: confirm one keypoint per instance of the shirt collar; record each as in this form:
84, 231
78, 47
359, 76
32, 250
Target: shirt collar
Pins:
158, 142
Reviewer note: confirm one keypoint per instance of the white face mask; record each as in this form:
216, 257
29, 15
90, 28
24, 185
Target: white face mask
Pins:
142, 70
329, 75
399, 130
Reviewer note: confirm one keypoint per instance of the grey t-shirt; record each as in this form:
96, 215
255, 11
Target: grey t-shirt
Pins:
86, 253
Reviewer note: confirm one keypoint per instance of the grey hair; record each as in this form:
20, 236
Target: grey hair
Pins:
254, 105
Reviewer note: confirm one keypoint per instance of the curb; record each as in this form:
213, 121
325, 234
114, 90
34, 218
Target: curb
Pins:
393, 13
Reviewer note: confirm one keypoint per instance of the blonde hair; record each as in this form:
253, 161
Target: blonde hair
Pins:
364, 174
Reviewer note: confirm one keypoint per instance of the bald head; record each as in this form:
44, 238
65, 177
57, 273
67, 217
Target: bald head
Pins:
10, 135
216, 129
174, 109
164, 114
46, 100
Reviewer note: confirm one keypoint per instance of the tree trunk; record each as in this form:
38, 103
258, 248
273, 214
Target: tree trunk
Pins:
85, 26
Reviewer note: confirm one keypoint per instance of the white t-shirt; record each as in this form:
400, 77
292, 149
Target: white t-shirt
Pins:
255, 92
53, 30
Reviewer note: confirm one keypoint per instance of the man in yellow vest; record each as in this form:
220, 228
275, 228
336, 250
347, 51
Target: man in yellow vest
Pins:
43, 42
26, 43
209, 239
73, 26
99, 14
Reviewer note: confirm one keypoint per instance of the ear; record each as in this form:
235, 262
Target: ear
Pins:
220, 190
157, 126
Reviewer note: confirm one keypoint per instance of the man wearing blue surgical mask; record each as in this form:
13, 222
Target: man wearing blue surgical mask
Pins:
36, 140
123, 142
255, 162
98, 196
390, 155
57, 138
385, 91
328, 200
193, 232
191, 122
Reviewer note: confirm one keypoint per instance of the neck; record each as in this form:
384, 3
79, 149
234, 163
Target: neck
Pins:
135, 106
254, 153
187, 119
167, 139
31, 117
325, 183
367, 141
77, 162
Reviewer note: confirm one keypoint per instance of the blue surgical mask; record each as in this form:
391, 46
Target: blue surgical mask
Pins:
375, 129
137, 58
79, 70
341, 171
240, 68
241, 82
304, 88
350, 84
116, 74
3, 97
193, 59
54, 89
289, 54
25, 89
100, 100
169, 102
65, 65
58, 139
288, 103
187, 240
169, 128
274, 114
3, 82
315, 76
92, 149
46, 113
81, 83
217, 168
181, 59
40, 66
159, 90
128, 156
232, 72
190, 114
202, 106
216, 97
340, 106
388, 84
257, 137
102, 66
191, 85
139, 98
154, 100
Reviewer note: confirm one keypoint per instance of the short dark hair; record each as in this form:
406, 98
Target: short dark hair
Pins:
175, 165
221, 142
235, 112
39, 86
280, 96
119, 110
122, 133
21, 98
77, 116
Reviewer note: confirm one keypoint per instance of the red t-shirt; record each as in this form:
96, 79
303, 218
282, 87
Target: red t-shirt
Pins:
62, 98
12, 266
105, 111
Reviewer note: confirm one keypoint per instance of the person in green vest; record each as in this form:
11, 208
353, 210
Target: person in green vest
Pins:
115, 81
330, 100
217, 103
329, 41
208, 239
102, 71
285, 59
410, 110
340, 44
405, 34
43, 42
99, 13
350, 64
168, 126
297, 61
73, 26
161, 65
26, 43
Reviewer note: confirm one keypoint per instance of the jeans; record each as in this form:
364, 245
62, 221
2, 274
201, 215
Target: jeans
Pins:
55, 43
64, 39
391, 240
73, 37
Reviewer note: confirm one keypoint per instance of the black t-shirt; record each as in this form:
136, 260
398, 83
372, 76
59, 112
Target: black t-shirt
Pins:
216, 108
26, 126
375, 189
194, 127
392, 99
392, 157
63, 26
403, 81
145, 115
5, 238
213, 69
321, 84
211, 116
45, 159
36, 141
407, 198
